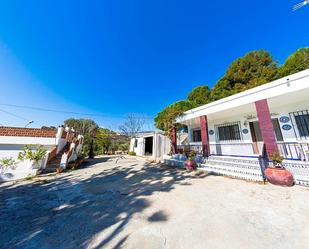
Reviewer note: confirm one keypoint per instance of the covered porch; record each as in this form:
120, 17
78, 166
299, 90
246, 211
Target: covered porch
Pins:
260, 121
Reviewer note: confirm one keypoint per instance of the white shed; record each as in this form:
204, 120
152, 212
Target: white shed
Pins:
152, 144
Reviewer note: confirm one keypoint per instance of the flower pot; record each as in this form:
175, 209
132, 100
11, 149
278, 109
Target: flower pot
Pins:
59, 170
36, 164
190, 165
279, 176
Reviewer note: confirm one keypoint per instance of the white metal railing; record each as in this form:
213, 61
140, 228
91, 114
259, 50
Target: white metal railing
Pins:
232, 149
294, 150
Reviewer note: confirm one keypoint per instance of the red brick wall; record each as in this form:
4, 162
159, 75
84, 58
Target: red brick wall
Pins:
27, 132
266, 126
204, 134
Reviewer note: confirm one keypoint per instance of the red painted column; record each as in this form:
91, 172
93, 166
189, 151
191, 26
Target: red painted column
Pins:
266, 126
204, 135
174, 140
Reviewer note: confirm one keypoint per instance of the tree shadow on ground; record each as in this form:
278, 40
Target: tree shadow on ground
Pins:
69, 213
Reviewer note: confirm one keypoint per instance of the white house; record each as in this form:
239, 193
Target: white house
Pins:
13, 140
236, 128
153, 144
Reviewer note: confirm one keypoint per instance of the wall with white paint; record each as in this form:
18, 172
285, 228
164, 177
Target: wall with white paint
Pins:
161, 145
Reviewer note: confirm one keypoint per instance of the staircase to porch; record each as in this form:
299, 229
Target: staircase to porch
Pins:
300, 171
54, 163
235, 167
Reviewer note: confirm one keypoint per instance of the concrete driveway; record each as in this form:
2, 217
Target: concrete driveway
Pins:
126, 203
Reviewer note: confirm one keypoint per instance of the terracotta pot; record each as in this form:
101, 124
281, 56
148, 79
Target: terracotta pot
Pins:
190, 165
59, 170
279, 176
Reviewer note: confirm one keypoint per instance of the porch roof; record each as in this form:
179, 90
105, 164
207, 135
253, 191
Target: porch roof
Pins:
290, 87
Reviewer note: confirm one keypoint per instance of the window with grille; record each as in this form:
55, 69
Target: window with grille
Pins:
302, 123
196, 136
229, 132
135, 143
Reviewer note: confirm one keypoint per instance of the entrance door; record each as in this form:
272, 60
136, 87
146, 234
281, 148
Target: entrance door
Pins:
257, 135
148, 146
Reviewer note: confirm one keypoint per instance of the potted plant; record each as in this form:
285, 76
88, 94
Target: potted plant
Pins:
190, 164
276, 174
33, 153
7, 163
59, 170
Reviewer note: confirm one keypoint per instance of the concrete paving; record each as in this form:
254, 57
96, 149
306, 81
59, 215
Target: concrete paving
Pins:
127, 203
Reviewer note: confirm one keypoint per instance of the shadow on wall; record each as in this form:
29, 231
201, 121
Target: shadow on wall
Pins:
66, 213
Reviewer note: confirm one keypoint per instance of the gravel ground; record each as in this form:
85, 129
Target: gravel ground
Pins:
127, 203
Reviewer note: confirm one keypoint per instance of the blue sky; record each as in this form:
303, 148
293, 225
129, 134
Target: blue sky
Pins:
116, 57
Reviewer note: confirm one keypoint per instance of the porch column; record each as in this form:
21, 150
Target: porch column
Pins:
204, 135
266, 126
174, 140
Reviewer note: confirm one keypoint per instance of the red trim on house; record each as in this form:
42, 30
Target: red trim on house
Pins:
204, 135
266, 126
64, 134
174, 140
27, 132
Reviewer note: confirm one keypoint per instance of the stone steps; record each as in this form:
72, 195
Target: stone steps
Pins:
53, 165
235, 167
300, 171
243, 165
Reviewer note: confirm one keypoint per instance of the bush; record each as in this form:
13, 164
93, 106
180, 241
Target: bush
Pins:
81, 155
7, 163
132, 153
276, 158
32, 152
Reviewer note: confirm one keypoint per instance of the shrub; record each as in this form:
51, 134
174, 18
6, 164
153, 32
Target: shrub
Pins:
192, 155
81, 155
7, 163
132, 153
276, 158
32, 152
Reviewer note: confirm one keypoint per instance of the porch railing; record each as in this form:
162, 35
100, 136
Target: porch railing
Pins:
294, 150
187, 149
233, 149
220, 149
289, 150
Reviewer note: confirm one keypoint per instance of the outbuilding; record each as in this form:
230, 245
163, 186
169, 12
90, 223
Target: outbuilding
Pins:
152, 144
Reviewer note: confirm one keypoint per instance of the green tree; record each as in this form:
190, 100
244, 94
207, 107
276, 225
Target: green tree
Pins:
103, 140
296, 62
88, 128
199, 96
166, 118
108, 141
253, 69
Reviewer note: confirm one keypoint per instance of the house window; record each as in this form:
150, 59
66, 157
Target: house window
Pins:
302, 122
229, 132
196, 136
135, 143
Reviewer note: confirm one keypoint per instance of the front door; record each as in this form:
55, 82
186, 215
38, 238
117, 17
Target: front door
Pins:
148, 146
256, 135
